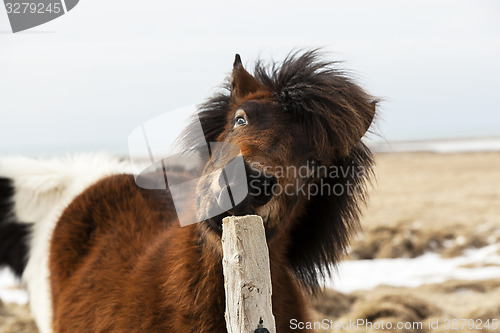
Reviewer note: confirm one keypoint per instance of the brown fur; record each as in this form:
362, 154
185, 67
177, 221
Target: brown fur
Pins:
126, 266
120, 262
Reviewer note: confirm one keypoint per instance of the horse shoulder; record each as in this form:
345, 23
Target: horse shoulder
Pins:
97, 242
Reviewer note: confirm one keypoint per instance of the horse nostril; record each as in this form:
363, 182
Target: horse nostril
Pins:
232, 183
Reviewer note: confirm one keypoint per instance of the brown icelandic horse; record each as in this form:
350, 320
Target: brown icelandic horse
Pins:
120, 262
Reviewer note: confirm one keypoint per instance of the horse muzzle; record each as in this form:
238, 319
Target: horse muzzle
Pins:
244, 189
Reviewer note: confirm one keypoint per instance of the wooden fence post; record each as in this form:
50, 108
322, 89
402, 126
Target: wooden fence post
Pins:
247, 276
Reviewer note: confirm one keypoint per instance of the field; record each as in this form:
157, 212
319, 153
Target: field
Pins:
440, 203
430, 209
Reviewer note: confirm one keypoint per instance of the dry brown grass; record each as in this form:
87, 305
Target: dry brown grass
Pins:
432, 190
16, 319
448, 300
431, 202
426, 202
410, 240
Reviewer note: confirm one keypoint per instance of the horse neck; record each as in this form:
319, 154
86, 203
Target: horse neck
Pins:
191, 265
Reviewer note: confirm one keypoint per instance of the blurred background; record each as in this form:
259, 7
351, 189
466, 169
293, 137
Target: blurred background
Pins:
83, 81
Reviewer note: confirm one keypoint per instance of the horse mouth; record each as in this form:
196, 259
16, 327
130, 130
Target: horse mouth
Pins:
241, 195
238, 196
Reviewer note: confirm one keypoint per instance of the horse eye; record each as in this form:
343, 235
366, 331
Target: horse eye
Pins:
240, 121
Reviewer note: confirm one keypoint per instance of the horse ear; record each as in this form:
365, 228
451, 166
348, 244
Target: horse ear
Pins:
242, 83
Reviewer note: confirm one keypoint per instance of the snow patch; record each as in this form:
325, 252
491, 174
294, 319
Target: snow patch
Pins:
355, 275
10, 289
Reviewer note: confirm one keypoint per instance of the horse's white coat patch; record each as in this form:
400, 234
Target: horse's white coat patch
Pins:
43, 188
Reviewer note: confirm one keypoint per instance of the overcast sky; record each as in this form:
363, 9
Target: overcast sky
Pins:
85, 80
